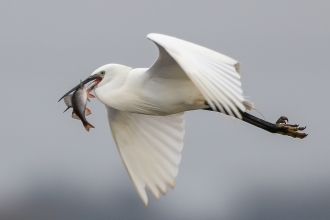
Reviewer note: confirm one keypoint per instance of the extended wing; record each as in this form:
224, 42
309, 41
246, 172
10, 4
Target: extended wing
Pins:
150, 147
215, 75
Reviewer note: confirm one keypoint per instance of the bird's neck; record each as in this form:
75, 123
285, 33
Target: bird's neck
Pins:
110, 92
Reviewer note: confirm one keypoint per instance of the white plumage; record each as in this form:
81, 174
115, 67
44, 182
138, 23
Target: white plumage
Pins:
145, 106
150, 147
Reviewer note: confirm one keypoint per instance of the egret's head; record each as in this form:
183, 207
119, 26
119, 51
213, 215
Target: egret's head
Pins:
107, 72
102, 75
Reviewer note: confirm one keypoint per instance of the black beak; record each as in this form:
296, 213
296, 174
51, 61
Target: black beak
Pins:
91, 78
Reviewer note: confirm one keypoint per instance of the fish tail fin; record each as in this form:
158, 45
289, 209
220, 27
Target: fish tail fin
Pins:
88, 126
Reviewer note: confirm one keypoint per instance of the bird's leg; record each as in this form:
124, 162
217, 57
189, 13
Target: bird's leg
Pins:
280, 127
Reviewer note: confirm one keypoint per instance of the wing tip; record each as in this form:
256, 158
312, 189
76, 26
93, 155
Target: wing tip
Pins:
143, 195
156, 37
162, 190
150, 36
145, 203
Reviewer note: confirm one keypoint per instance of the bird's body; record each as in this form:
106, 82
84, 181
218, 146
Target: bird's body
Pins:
138, 91
145, 107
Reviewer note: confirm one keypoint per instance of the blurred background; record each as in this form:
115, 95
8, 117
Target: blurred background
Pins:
51, 168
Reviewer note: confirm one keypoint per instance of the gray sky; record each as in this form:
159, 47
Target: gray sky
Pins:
51, 168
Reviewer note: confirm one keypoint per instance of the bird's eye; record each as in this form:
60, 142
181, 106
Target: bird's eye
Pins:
102, 73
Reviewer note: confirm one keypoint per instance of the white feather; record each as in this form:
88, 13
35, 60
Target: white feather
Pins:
150, 147
214, 74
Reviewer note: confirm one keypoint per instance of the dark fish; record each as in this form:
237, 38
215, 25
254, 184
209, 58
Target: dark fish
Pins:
79, 101
68, 102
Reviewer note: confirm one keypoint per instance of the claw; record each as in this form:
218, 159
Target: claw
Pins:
290, 130
282, 120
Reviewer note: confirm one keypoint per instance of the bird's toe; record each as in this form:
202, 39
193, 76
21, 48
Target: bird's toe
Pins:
288, 129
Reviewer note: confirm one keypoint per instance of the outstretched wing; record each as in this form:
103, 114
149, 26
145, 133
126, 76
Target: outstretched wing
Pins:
150, 147
215, 75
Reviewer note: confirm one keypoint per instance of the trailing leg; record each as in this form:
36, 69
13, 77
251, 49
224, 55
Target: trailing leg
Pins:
279, 127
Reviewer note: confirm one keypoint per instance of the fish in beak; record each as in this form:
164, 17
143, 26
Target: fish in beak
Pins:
68, 101
78, 99
96, 78
79, 102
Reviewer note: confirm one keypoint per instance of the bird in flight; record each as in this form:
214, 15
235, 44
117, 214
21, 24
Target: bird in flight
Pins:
146, 106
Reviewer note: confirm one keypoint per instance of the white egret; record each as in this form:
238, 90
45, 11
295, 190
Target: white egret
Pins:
146, 106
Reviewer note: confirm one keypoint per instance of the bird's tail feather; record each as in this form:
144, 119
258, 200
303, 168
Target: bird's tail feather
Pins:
248, 105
